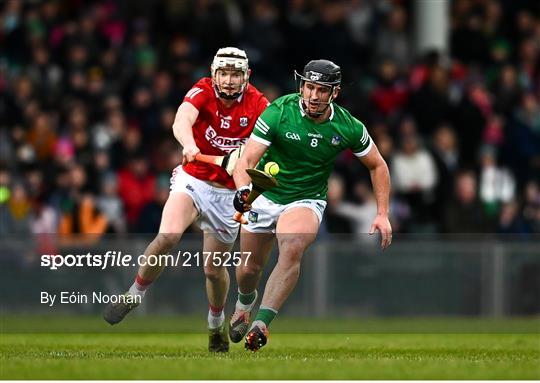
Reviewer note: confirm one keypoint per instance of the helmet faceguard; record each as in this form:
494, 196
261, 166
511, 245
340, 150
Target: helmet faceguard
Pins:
321, 72
234, 59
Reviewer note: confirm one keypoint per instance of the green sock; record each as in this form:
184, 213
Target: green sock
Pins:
266, 315
247, 299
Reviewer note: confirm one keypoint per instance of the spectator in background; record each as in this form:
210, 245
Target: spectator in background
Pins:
333, 221
470, 118
150, 217
393, 40
45, 74
414, 177
15, 211
262, 37
497, 185
79, 212
108, 134
464, 213
430, 105
360, 214
130, 143
445, 152
136, 187
510, 222
390, 94
531, 207
507, 92
360, 22
529, 63
522, 148
42, 137
43, 218
111, 205
493, 134
468, 42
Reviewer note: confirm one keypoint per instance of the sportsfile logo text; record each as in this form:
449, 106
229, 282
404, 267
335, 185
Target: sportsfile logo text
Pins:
114, 258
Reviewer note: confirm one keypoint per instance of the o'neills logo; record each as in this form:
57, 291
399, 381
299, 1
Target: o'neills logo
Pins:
227, 144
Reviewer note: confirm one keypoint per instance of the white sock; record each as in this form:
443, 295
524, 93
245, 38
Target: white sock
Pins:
258, 323
133, 290
242, 307
215, 321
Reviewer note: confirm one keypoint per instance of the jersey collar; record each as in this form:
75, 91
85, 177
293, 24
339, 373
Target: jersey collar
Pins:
304, 113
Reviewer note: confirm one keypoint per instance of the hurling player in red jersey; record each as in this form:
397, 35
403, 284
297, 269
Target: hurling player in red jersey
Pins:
215, 118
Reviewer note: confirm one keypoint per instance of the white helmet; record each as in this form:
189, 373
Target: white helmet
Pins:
230, 58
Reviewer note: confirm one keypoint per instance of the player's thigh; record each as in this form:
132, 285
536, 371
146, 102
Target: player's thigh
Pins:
296, 229
216, 253
178, 213
255, 249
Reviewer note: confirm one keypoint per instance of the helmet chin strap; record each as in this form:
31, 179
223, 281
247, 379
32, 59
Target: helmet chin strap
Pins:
226, 96
314, 114
318, 113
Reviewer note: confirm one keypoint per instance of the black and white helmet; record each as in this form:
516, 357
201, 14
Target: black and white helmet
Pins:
322, 72
230, 58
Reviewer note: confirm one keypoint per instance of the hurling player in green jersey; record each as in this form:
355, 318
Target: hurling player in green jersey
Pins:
303, 133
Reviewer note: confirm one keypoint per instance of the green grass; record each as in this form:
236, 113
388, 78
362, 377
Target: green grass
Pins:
147, 355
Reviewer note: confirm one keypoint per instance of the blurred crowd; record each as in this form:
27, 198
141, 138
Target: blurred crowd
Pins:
89, 91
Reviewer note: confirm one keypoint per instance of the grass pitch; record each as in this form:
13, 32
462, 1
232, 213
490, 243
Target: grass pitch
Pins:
118, 353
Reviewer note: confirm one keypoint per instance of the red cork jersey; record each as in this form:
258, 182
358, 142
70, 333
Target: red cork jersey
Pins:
219, 130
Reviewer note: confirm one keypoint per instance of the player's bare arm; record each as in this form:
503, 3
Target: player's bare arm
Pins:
380, 178
250, 157
182, 128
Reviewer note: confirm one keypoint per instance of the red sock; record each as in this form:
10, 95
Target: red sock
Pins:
141, 284
215, 311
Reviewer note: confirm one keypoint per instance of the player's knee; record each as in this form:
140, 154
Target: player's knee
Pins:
214, 274
250, 269
166, 241
291, 251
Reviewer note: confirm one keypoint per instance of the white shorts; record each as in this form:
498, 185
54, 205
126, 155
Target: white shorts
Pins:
264, 214
214, 205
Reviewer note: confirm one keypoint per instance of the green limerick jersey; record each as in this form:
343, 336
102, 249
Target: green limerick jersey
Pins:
304, 150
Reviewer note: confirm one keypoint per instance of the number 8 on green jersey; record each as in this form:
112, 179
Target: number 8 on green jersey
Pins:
304, 150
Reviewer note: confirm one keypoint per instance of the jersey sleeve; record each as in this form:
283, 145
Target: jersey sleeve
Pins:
266, 125
197, 96
362, 141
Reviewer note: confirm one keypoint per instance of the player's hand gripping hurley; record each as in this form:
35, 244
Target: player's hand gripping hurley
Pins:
227, 162
260, 182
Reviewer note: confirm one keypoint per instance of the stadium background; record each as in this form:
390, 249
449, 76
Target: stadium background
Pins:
88, 94
449, 91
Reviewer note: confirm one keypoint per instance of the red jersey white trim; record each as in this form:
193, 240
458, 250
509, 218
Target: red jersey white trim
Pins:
219, 130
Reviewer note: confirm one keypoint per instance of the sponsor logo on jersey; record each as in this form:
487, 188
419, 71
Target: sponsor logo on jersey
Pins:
190, 188
244, 122
336, 140
227, 144
253, 217
315, 135
293, 136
